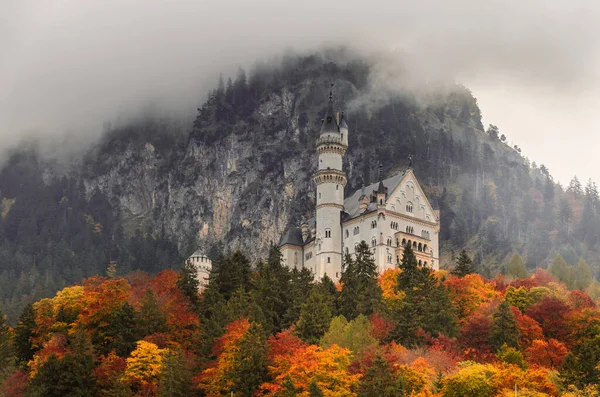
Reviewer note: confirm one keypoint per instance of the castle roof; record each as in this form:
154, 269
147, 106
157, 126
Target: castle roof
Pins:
352, 203
293, 235
198, 252
329, 122
343, 123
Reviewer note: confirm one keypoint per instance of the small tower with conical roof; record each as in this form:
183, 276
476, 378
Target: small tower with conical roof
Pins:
330, 180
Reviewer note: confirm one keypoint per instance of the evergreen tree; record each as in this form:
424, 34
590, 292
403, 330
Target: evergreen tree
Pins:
232, 273
120, 334
271, 290
580, 367
175, 376
242, 304
188, 283
464, 265
300, 288
426, 304
315, 316
582, 275
213, 317
561, 270
23, 333
6, 351
249, 369
516, 267
151, 318
360, 291
504, 328
575, 187
379, 381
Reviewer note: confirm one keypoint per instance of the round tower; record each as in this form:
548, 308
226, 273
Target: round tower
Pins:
330, 180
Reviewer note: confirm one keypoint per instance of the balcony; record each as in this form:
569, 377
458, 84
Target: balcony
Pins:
421, 246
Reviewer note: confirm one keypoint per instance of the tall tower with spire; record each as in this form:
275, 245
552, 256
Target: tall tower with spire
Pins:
330, 180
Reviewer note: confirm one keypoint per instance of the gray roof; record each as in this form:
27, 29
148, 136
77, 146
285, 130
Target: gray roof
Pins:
293, 235
343, 123
329, 123
351, 204
198, 252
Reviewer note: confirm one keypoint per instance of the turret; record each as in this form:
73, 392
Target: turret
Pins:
304, 228
344, 129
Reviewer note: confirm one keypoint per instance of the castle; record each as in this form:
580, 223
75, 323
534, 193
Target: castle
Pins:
387, 215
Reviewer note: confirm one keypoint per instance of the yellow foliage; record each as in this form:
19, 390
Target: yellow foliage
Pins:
145, 362
388, 281
588, 391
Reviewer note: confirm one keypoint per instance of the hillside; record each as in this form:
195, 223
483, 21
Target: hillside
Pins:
152, 191
270, 331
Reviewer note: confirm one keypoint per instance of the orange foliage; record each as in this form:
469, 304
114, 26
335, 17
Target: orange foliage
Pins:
306, 364
388, 281
469, 292
529, 329
549, 354
100, 298
56, 345
110, 370
473, 337
15, 385
380, 326
580, 300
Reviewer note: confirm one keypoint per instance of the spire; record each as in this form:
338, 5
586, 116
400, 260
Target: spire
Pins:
329, 123
343, 123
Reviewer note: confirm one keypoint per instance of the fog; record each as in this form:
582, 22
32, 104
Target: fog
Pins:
69, 66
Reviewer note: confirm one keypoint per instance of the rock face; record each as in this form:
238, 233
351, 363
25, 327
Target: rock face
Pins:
244, 184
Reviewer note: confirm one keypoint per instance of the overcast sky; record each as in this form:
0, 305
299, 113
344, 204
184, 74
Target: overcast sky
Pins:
534, 65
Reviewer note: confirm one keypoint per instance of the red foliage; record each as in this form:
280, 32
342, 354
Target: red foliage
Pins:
523, 282
284, 344
551, 314
474, 336
499, 283
110, 370
160, 340
529, 329
550, 354
234, 331
543, 277
380, 326
15, 385
580, 300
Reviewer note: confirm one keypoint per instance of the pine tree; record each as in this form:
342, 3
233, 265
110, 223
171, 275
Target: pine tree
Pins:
379, 380
582, 275
271, 290
231, 273
300, 288
561, 270
464, 265
315, 317
504, 328
188, 283
151, 318
175, 376
121, 332
23, 333
516, 267
249, 369
426, 304
360, 292
6, 350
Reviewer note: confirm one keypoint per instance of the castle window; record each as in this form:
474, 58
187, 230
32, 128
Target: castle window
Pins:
397, 259
328, 259
327, 233
373, 242
403, 242
380, 201
389, 241
347, 233
420, 263
425, 248
397, 243
356, 230
373, 224
295, 257
389, 259
337, 187
420, 247
410, 229
409, 207
425, 263
414, 245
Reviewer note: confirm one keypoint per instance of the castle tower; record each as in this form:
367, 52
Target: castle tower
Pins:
330, 180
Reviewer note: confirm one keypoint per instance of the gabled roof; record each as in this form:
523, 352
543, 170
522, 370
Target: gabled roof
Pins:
329, 122
293, 235
351, 204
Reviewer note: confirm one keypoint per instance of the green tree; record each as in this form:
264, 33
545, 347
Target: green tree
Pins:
232, 273
188, 283
175, 375
504, 328
315, 316
120, 334
300, 288
582, 275
516, 267
354, 335
464, 265
22, 336
560, 269
580, 367
379, 381
271, 286
426, 304
250, 370
360, 291
6, 350
151, 318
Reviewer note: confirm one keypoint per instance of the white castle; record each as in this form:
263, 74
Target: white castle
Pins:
387, 215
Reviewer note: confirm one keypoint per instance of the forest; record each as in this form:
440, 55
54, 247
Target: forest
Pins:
265, 330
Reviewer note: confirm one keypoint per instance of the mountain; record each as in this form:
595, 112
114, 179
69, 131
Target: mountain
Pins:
151, 191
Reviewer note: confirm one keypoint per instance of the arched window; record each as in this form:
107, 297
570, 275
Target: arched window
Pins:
425, 263
373, 242
403, 242
420, 263
389, 241
347, 233
373, 224
337, 187
328, 259
356, 230
397, 259
327, 233
420, 247
389, 259
409, 207
425, 248
414, 245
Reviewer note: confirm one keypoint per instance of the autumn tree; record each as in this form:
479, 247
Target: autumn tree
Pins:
354, 335
379, 380
551, 314
516, 267
549, 354
464, 265
360, 291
